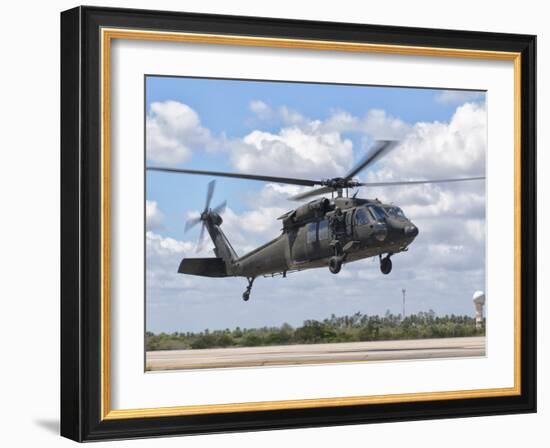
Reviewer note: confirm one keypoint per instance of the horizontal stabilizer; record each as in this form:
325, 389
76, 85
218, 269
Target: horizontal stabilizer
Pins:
205, 267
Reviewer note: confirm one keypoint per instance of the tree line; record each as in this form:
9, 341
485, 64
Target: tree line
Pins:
354, 328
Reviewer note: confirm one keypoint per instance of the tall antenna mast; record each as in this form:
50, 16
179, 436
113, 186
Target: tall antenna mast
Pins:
403, 291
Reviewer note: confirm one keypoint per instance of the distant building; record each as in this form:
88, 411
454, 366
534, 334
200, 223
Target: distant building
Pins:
479, 303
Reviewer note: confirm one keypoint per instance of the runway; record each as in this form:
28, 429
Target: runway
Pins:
316, 353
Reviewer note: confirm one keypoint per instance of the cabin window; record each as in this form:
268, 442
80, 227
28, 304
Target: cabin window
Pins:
311, 232
323, 230
361, 217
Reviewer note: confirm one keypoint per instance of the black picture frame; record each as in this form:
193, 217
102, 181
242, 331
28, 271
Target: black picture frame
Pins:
81, 382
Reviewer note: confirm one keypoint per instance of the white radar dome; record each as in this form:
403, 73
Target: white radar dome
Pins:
479, 297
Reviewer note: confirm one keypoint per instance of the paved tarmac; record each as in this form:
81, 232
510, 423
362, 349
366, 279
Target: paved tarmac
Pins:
316, 353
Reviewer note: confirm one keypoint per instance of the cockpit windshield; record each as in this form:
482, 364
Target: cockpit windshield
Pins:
395, 211
377, 212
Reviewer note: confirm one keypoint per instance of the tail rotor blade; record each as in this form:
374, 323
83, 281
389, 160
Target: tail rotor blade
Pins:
201, 239
209, 193
190, 223
220, 208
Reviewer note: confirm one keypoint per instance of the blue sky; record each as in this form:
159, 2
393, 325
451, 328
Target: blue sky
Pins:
303, 130
231, 98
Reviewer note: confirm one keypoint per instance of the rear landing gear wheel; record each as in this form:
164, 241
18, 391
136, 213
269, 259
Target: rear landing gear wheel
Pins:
246, 293
335, 264
385, 265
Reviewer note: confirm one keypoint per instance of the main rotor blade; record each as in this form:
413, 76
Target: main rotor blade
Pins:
380, 149
310, 193
209, 194
190, 223
416, 182
279, 180
220, 208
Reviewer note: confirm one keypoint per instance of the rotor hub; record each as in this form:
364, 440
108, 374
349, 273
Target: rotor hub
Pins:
339, 183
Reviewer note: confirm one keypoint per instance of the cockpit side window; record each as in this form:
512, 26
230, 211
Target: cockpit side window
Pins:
361, 217
377, 212
395, 211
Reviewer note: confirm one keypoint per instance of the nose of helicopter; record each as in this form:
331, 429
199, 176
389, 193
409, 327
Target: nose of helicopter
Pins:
410, 230
401, 231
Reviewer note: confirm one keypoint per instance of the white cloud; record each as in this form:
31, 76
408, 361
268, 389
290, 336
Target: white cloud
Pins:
251, 228
261, 109
281, 116
164, 255
263, 221
153, 215
377, 124
476, 230
293, 149
440, 150
166, 246
173, 132
309, 147
291, 117
278, 193
458, 96
381, 126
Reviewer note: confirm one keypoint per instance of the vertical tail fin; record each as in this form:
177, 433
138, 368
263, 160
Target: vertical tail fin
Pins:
211, 220
222, 246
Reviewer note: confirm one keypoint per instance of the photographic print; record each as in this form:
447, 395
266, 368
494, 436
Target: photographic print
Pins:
254, 201
293, 223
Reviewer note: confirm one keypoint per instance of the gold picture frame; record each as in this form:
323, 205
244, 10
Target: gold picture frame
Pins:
102, 30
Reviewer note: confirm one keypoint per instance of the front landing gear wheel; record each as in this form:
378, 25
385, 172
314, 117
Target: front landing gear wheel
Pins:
246, 295
385, 265
335, 264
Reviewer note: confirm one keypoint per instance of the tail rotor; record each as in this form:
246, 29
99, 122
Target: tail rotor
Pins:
207, 214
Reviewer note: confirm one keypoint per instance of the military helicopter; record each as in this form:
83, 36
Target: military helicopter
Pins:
321, 233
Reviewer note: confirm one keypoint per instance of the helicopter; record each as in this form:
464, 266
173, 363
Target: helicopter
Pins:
321, 233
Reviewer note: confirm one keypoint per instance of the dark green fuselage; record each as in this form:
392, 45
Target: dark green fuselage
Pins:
312, 234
